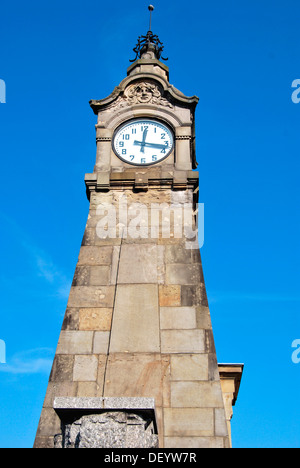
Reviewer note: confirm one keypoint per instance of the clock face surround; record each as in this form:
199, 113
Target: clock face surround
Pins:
143, 142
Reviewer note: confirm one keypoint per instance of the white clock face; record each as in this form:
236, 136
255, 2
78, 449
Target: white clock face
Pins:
143, 142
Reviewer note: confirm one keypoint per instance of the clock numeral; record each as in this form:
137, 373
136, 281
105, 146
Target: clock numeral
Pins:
163, 136
126, 137
163, 151
144, 128
124, 151
131, 157
143, 161
121, 144
154, 158
133, 131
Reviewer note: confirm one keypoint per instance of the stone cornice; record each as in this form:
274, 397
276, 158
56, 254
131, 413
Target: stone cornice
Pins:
141, 180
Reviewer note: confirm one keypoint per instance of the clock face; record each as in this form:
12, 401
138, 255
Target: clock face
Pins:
143, 142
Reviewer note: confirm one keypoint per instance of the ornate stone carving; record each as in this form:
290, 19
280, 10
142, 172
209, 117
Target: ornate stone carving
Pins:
143, 92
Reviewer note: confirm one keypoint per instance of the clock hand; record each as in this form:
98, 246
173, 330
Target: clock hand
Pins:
150, 145
144, 140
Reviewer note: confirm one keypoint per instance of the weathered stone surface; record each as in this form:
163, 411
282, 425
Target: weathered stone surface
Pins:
196, 395
194, 442
187, 422
220, 422
91, 296
101, 339
120, 403
49, 423
135, 325
178, 254
194, 295
183, 274
71, 319
75, 342
142, 375
99, 275
92, 255
108, 430
189, 367
55, 389
169, 296
95, 319
85, 368
177, 318
62, 369
81, 276
182, 341
145, 264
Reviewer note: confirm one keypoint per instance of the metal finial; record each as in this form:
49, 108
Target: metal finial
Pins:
150, 8
150, 42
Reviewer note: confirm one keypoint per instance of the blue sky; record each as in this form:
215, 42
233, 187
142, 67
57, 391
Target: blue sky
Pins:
240, 58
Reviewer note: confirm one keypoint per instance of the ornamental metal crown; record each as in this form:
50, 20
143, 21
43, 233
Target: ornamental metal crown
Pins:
149, 43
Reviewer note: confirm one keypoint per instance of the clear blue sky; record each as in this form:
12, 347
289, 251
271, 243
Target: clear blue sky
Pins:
240, 58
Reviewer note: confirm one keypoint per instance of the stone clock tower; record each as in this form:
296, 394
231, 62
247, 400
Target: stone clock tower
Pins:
135, 364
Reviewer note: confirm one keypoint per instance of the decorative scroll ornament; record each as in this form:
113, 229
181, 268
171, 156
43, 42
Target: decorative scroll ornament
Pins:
147, 43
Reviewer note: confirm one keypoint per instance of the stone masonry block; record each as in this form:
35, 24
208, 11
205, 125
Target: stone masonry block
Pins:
91, 296
101, 340
188, 422
183, 274
145, 264
85, 368
91, 255
189, 367
196, 394
49, 423
176, 254
139, 374
182, 341
177, 318
220, 423
95, 319
75, 342
71, 319
194, 442
169, 296
99, 275
135, 325
62, 369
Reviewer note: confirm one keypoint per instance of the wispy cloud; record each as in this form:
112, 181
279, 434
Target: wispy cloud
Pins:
33, 361
46, 269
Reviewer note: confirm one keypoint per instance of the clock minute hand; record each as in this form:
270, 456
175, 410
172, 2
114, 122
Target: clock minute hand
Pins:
150, 145
143, 143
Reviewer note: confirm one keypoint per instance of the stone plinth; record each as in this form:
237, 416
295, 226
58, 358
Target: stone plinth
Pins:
106, 423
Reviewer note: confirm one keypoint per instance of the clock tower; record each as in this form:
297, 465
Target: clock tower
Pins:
135, 364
